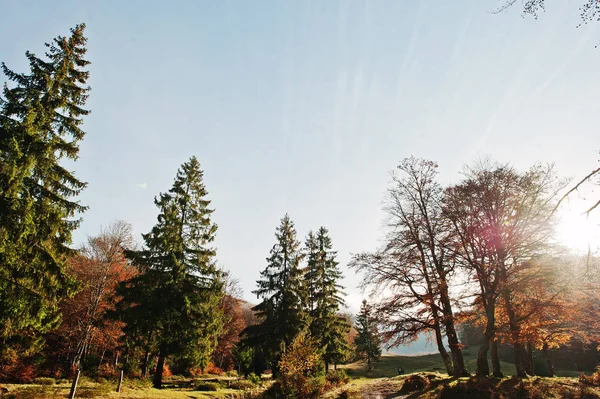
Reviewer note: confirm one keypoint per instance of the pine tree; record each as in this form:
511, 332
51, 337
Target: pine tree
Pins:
280, 311
368, 343
325, 298
41, 115
177, 295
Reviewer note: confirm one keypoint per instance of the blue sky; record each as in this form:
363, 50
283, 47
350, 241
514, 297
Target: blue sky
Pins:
303, 107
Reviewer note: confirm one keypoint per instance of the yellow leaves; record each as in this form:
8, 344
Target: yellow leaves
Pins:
300, 358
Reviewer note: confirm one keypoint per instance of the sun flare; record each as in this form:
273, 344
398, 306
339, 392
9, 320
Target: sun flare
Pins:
578, 232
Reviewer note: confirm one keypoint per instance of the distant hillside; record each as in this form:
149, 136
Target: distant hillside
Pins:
417, 348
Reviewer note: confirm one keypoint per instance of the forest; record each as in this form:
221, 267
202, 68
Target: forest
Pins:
475, 267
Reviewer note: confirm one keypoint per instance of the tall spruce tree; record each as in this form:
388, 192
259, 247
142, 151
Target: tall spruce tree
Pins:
327, 327
280, 312
41, 114
180, 287
368, 342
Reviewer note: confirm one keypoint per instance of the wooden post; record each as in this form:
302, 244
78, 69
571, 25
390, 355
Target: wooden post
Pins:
74, 385
120, 381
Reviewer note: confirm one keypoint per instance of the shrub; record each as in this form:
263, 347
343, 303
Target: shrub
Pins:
337, 377
414, 382
166, 371
345, 394
208, 386
212, 369
231, 373
255, 379
298, 364
471, 389
44, 381
106, 371
312, 389
587, 393
593, 380
18, 372
242, 385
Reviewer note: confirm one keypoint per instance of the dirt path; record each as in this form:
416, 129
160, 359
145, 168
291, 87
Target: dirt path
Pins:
382, 389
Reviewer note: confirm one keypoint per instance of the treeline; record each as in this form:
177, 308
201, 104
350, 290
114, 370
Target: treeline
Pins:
482, 252
108, 304
300, 293
160, 307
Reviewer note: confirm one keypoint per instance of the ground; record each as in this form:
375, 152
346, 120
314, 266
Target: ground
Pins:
174, 388
381, 383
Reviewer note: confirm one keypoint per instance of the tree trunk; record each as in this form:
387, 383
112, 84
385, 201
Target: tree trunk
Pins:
145, 364
443, 353
457, 356
496, 370
458, 361
157, 382
549, 362
483, 367
102, 358
515, 333
529, 363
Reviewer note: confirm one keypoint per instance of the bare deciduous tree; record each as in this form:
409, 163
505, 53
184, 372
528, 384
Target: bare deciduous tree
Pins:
415, 263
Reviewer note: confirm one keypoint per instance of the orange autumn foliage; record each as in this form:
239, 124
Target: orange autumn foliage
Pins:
99, 267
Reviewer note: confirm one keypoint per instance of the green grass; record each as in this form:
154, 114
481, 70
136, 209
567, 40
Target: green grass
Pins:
388, 365
132, 389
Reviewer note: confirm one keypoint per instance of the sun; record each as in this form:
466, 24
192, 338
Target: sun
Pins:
578, 231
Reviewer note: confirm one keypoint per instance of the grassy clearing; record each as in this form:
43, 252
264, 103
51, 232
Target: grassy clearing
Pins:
382, 382
440, 386
388, 366
175, 388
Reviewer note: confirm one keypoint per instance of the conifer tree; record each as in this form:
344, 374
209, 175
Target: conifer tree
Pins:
41, 116
368, 343
280, 311
177, 295
327, 327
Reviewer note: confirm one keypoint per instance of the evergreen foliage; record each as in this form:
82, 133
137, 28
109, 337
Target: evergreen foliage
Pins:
281, 310
368, 342
41, 117
174, 303
327, 327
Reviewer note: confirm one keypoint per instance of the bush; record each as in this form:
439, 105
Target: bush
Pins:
298, 364
166, 371
106, 371
44, 381
345, 394
212, 369
255, 379
231, 373
208, 386
337, 377
18, 372
414, 382
593, 380
471, 389
242, 385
